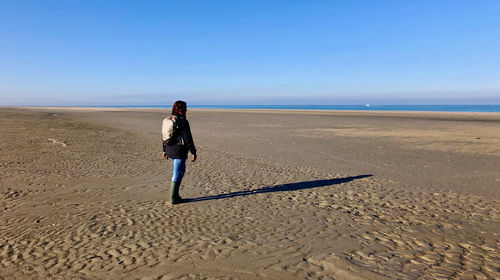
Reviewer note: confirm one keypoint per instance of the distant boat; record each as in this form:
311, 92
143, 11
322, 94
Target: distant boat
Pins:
367, 105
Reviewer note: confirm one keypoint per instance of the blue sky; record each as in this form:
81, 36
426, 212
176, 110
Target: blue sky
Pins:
249, 52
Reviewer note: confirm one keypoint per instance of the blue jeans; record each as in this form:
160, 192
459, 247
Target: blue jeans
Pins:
179, 169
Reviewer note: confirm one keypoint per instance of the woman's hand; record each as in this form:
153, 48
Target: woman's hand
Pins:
164, 155
193, 156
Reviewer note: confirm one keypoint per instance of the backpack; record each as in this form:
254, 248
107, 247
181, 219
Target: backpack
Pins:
169, 130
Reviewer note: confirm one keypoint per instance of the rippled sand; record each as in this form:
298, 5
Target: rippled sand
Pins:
85, 195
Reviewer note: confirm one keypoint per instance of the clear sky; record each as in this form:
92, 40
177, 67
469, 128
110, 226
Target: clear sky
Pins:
106, 52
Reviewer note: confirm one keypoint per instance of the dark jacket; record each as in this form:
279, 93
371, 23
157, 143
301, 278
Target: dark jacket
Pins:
186, 143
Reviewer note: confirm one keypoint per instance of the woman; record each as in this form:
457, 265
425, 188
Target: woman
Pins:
177, 150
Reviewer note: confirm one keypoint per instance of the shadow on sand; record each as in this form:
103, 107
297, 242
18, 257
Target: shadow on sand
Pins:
280, 188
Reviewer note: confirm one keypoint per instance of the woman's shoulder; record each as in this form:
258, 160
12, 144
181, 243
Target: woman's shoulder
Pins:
183, 120
179, 117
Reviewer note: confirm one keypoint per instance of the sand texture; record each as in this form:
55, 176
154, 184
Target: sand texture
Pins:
273, 195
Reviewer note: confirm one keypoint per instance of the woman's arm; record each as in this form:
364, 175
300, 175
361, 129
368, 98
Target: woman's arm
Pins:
188, 138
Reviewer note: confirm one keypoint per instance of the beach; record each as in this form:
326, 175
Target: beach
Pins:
274, 194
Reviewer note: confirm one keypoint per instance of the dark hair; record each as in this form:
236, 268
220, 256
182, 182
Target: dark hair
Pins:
180, 107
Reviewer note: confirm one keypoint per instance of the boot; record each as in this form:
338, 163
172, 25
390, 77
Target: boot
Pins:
175, 198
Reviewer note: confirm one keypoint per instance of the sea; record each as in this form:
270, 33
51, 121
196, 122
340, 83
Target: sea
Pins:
366, 107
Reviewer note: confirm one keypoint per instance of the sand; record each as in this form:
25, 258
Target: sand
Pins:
273, 195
